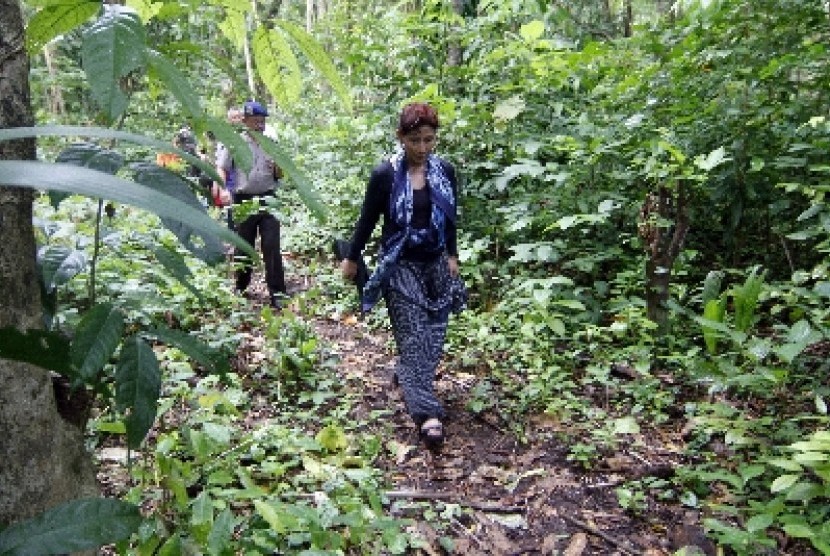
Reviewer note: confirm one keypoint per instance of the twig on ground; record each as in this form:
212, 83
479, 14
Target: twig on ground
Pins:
449, 496
418, 495
594, 531
659, 471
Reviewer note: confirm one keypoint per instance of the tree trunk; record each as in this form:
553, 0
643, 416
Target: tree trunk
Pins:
56, 105
454, 51
246, 48
628, 19
658, 278
663, 245
43, 458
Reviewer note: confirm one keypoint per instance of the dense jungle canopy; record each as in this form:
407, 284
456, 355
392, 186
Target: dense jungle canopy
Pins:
645, 235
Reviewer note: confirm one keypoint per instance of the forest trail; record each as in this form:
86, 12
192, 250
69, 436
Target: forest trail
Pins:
499, 496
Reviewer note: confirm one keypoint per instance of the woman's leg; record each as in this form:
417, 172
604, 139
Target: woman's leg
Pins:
419, 335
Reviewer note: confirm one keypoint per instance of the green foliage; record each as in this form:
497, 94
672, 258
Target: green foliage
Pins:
72, 179
273, 488
559, 132
319, 60
96, 338
57, 18
47, 350
715, 311
113, 48
73, 526
278, 66
138, 384
745, 299
213, 360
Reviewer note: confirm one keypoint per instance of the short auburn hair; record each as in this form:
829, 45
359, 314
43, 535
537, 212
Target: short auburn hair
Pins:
415, 115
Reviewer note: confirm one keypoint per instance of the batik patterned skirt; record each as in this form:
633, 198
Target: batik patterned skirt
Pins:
420, 297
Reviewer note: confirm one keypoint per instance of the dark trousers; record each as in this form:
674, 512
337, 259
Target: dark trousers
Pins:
268, 228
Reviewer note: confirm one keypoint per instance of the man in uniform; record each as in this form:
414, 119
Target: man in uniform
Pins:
257, 185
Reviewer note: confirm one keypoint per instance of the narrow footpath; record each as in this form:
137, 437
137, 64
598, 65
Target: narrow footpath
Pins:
498, 496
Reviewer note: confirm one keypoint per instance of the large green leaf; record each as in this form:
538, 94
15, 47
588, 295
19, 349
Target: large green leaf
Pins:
57, 18
107, 133
112, 48
319, 59
47, 350
96, 338
137, 388
711, 286
58, 265
176, 83
509, 109
40, 175
532, 31
213, 360
88, 155
305, 189
71, 527
714, 311
745, 299
277, 65
175, 264
164, 181
713, 159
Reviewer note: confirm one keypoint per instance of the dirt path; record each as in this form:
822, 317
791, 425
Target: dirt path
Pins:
497, 496
516, 499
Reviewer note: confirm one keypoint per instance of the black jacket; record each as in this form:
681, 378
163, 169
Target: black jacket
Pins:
376, 203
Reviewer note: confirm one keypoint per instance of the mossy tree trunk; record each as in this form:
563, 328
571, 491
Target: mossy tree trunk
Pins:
43, 458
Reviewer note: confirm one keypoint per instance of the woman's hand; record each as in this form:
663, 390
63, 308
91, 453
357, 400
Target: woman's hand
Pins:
452, 262
349, 269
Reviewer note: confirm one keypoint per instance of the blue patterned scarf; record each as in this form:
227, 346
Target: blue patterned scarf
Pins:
400, 209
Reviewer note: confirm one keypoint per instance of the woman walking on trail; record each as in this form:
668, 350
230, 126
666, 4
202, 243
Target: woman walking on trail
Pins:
417, 273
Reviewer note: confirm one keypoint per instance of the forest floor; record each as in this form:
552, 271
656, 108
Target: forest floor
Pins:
496, 494
510, 497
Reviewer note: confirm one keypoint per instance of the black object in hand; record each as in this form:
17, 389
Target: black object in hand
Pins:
341, 249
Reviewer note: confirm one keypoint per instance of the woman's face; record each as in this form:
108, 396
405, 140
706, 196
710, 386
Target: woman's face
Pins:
418, 143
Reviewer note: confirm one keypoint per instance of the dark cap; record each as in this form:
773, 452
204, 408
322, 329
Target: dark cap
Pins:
253, 108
